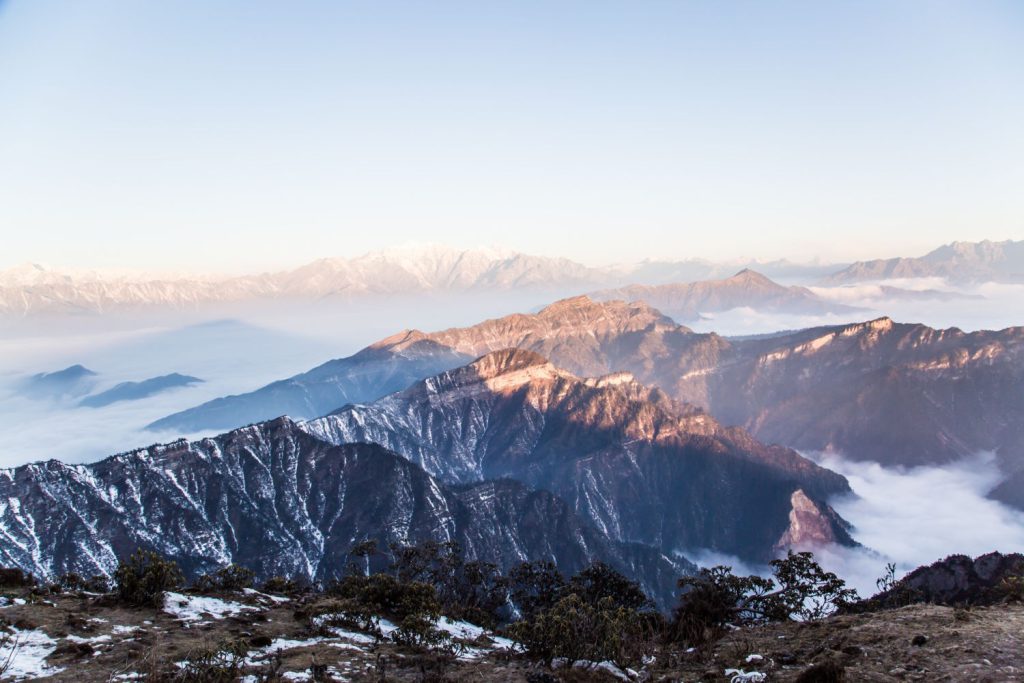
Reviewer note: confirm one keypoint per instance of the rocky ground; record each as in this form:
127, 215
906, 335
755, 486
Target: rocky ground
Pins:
82, 637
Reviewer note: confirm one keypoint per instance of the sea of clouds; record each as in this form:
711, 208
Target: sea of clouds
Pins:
915, 516
908, 517
238, 350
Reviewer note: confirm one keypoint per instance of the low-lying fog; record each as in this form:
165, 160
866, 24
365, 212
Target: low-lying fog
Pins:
231, 354
907, 516
915, 516
924, 300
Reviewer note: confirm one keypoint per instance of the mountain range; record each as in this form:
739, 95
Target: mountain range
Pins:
275, 499
133, 391
509, 455
592, 430
640, 466
686, 302
33, 289
961, 262
899, 394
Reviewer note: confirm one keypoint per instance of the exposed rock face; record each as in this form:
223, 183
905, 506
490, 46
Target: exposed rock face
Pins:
641, 466
811, 525
273, 498
747, 288
959, 261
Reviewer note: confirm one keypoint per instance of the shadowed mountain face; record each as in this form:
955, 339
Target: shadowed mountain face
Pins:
133, 391
894, 393
365, 376
687, 301
642, 467
960, 262
274, 498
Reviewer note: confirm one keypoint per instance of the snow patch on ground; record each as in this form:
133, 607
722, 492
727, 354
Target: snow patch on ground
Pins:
586, 665
191, 608
273, 598
459, 629
31, 648
354, 636
91, 641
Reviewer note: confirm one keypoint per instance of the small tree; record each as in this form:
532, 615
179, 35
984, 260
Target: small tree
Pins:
599, 581
800, 590
473, 590
13, 577
281, 585
806, 591
535, 587
577, 629
1011, 588
713, 599
359, 557
479, 595
227, 579
222, 663
74, 582
141, 580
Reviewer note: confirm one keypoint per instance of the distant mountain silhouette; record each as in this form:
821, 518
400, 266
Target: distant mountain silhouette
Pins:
132, 391
75, 380
686, 302
958, 262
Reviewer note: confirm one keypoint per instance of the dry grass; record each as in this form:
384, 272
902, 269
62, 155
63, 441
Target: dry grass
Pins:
980, 644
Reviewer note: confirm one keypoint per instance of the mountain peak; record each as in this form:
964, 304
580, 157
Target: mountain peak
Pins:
582, 308
76, 371
509, 361
399, 340
749, 275
573, 303
883, 324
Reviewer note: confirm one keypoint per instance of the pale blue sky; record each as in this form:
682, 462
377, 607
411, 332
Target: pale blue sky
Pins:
240, 134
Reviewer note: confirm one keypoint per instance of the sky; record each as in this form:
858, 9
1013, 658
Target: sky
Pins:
241, 135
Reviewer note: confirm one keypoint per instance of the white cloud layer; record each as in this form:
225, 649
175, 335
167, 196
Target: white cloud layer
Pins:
910, 517
918, 515
256, 346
